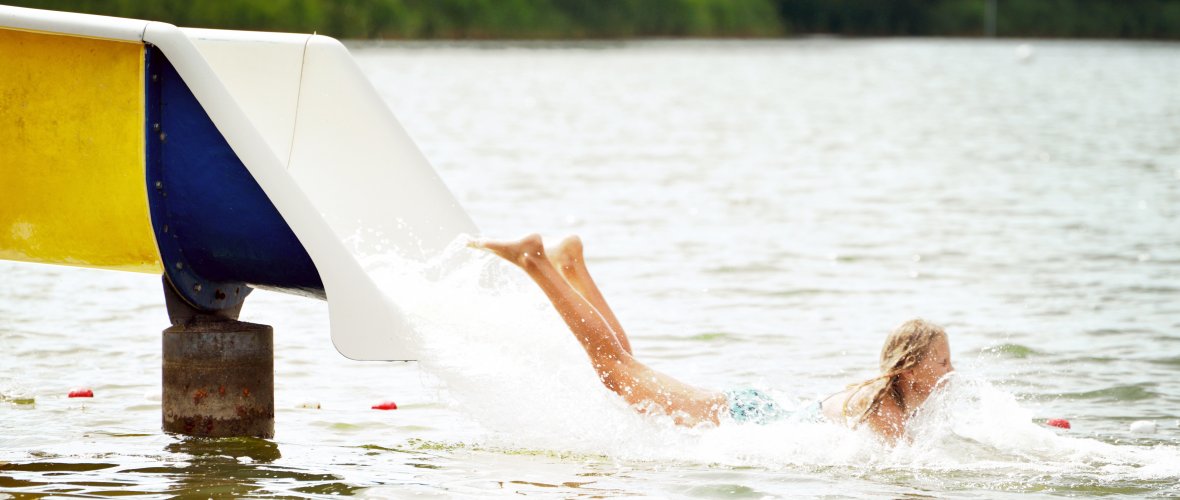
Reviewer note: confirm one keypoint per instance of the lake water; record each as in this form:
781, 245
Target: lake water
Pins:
758, 214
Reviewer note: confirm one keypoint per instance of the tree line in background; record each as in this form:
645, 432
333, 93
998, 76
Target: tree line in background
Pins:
565, 19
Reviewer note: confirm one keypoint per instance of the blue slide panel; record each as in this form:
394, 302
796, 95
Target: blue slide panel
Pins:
216, 229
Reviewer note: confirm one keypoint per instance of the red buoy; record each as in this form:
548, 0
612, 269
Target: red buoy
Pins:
1058, 422
385, 405
81, 392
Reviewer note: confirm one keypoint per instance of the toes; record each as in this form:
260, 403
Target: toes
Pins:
518, 251
569, 250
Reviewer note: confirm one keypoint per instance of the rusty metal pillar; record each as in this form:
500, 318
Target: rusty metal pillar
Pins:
218, 372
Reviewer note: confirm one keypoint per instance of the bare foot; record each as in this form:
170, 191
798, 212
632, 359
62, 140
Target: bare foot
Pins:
517, 252
567, 254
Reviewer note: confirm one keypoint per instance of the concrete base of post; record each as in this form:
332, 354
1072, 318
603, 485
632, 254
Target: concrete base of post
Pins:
219, 379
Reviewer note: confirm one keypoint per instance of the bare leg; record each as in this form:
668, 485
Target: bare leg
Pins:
567, 258
617, 369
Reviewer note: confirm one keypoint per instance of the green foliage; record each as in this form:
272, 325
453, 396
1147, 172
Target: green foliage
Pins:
957, 18
546, 19
1093, 18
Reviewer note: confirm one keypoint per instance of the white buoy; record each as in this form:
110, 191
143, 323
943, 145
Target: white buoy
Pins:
1024, 52
1143, 427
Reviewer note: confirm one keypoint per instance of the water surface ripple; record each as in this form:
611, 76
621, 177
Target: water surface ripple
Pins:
759, 213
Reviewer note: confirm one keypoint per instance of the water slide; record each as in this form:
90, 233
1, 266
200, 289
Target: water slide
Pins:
224, 160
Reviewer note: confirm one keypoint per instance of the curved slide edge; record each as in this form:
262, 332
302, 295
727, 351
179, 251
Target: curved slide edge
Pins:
87, 25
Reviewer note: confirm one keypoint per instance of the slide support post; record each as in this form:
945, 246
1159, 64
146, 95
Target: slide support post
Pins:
218, 376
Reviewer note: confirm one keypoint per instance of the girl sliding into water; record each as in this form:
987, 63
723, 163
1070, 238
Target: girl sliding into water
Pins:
915, 357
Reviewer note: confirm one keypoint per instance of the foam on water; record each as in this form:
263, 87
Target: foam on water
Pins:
506, 360
972, 425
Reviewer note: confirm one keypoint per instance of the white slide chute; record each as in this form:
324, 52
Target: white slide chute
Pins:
321, 143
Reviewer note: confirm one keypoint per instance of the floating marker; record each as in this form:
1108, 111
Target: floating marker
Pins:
81, 392
21, 399
1058, 422
1143, 427
385, 405
308, 405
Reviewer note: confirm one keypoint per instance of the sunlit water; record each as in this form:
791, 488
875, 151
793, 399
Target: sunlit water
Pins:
758, 214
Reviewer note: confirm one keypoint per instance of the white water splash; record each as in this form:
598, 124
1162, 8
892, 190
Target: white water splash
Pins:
507, 361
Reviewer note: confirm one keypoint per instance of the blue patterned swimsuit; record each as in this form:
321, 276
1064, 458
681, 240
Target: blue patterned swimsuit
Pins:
756, 407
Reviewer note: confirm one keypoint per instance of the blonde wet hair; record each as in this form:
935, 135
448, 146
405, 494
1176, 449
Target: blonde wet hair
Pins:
905, 347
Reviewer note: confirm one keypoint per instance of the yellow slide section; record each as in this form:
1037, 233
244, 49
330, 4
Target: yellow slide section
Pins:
72, 153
